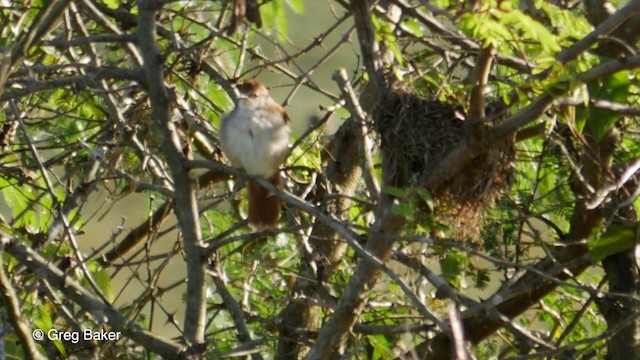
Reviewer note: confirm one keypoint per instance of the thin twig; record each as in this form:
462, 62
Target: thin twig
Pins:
61, 213
99, 310
364, 141
11, 304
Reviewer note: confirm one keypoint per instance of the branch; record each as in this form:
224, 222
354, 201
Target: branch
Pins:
437, 27
121, 15
375, 264
461, 155
604, 29
533, 284
20, 326
295, 202
41, 24
62, 216
186, 206
619, 42
99, 310
363, 140
91, 39
324, 246
531, 287
621, 109
479, 81
153, 224
232, 305
78, 82
333, 334
475, 126
367, 38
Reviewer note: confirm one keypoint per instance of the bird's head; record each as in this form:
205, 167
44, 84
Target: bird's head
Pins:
252, 89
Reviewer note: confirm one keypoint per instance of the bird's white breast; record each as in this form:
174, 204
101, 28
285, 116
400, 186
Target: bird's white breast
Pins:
255, 138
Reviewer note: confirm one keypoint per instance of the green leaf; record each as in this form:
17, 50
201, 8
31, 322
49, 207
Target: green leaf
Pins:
451, 266
600, 122
395, 191
112, 4
275, 19
43, 320
614, 87
103, 280
426, 197
382, 347
403, 209
414, 27
616, 239
218, 96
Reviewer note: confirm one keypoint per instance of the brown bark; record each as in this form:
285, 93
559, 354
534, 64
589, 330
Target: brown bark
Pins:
622, 273
530, 289
186, 207
301, 317
621, 269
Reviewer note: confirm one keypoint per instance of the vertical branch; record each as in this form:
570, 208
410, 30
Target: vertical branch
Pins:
186, 207
364, 142
10, 303
367, 36
479, 81
334, 333
43, 22
234, 309
328, 245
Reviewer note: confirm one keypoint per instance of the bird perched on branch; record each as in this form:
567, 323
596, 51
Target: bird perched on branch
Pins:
255, 137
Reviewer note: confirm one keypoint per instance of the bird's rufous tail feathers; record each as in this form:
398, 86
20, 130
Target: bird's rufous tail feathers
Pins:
264, 208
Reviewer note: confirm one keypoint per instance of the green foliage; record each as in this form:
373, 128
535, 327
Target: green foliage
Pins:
616, 238
275, 21
384, 35
113, 4
382, 348
614, 88
453, 265
502, 25
103, 280
84, 99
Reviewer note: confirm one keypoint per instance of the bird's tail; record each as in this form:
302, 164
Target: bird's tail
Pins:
264, 208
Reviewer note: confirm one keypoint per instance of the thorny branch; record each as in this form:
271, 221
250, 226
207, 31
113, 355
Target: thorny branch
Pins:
184, 197
127, 158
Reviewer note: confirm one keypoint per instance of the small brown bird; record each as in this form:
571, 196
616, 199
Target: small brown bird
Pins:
255, 137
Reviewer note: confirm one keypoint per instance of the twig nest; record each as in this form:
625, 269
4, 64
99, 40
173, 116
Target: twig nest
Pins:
416, 133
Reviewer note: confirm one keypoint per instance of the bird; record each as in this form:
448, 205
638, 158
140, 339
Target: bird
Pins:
255, 137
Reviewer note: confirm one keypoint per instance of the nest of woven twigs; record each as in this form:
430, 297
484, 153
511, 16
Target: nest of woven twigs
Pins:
416, 133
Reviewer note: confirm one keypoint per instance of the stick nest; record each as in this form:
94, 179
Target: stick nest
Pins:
416, 133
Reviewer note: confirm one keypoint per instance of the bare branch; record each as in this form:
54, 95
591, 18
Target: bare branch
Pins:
478, 82
185, 200
100, 311
244, 335
20, 326
365, 145
368, 45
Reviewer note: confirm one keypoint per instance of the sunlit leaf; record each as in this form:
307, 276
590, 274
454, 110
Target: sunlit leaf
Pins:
616, 239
